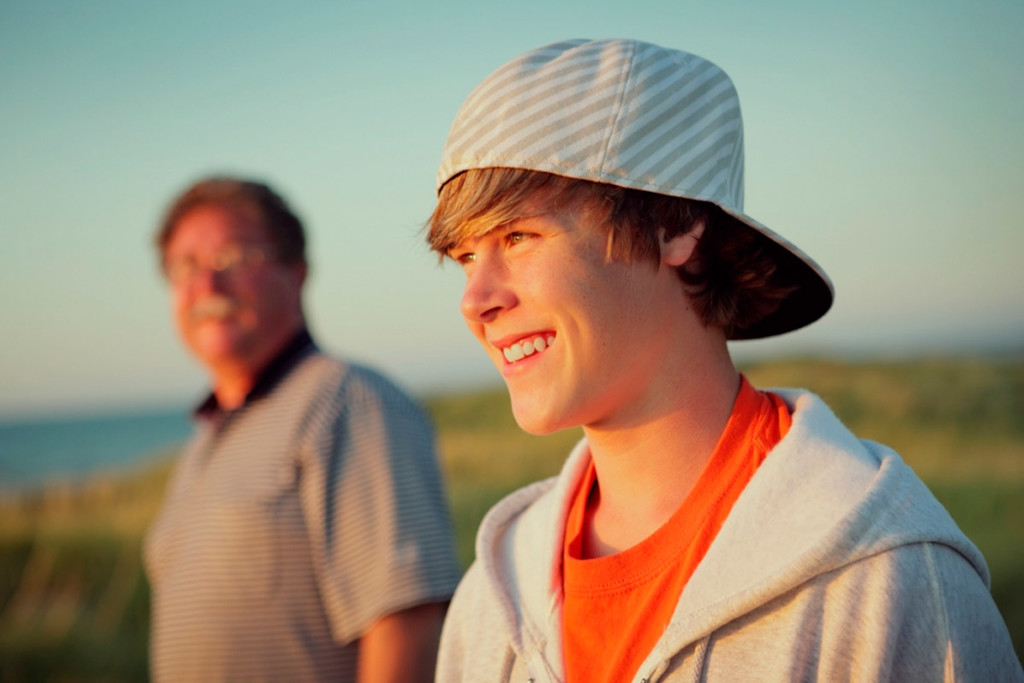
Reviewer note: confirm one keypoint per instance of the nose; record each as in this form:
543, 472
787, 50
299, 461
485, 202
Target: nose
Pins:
488, 291
208, 280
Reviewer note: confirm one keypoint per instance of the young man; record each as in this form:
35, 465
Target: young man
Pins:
304, 535
702, 529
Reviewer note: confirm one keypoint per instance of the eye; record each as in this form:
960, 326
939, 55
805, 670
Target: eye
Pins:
515, 237
180, 270
463, 258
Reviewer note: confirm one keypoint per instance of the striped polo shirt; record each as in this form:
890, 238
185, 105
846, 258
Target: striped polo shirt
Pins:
293, 523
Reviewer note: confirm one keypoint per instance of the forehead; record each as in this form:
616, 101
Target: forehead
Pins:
502, 213
209, 226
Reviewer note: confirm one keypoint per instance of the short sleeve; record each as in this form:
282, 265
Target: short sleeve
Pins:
373, 499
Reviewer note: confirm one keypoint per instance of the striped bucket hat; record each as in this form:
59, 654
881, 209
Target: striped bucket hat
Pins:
634, 115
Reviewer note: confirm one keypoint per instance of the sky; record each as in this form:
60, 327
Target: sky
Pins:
885, 138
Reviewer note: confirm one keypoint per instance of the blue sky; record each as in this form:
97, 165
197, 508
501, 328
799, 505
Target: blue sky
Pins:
884, 138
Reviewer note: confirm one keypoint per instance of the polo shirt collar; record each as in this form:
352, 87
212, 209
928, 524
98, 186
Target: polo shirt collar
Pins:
301, 344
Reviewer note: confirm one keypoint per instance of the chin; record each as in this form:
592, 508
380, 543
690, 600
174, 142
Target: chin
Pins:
212, 351
535, 420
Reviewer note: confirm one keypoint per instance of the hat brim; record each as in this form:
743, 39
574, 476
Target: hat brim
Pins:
812, 294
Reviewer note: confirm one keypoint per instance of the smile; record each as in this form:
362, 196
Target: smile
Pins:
527, 347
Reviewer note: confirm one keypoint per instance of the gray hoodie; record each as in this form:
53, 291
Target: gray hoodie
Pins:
836, 563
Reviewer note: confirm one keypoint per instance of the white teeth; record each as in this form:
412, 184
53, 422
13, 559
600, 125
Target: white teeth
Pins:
525, 348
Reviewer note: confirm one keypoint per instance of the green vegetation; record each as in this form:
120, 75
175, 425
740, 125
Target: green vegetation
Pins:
74, 600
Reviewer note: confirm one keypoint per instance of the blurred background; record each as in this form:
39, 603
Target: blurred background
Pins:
885, 138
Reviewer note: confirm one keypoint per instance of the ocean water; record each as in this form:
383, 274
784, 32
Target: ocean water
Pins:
40, 451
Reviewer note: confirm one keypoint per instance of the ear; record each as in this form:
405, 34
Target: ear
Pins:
677, 250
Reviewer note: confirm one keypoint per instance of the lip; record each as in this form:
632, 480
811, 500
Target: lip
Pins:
511, 367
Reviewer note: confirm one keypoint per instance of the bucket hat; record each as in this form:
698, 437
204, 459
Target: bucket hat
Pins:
635, 115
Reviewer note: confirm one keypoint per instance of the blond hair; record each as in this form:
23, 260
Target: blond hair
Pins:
733, 280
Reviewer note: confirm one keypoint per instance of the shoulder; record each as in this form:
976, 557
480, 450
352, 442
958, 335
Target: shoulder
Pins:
332, 387
359, 385
344, 410
527, 525
479, 635
519, 544
503, 614
915, 612
352, 378
928, 612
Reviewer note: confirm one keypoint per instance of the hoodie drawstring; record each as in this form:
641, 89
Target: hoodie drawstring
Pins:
700, 656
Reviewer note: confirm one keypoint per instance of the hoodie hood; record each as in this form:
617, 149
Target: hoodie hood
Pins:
833, 500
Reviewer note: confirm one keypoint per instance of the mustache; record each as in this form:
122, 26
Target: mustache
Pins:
215, 306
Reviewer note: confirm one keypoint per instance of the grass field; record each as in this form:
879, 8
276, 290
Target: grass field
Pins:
74, 601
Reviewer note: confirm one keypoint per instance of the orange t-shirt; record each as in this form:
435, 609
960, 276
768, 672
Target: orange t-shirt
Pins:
617, 607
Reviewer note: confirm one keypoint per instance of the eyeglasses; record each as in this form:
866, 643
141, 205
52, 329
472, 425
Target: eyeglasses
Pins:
228, 260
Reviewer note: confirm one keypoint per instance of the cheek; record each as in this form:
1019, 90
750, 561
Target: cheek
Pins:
254, 293
179, 308
477, 331
269, 297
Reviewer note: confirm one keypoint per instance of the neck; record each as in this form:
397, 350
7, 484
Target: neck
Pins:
232, 385
646, 469
234, 378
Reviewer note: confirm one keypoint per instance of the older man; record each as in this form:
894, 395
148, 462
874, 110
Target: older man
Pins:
305, 534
